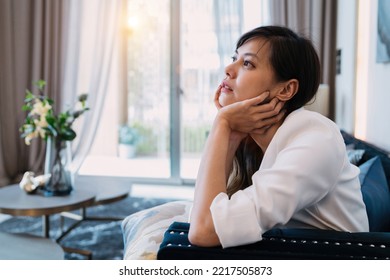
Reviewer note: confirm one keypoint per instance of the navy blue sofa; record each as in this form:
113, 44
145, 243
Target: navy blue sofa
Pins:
310, 243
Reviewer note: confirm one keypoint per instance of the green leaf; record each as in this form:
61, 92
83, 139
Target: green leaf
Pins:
77, 113
51, 130
48, 100
63, 118
41, 84
27, 107
29, 96
51, 120
29, 120
68, 134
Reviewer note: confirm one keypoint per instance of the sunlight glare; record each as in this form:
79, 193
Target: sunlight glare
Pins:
132, 22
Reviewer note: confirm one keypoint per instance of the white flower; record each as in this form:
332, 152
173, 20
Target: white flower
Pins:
29, 137
39, 108
41, 122
40, 125
41, 132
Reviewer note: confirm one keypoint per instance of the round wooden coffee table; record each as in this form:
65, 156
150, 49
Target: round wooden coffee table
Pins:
14, 201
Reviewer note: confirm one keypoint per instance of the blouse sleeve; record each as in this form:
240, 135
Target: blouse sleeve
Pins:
304, 171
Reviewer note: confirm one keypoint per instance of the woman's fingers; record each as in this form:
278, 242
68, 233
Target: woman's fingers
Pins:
258, 100
216, 97
267, 123
271, 109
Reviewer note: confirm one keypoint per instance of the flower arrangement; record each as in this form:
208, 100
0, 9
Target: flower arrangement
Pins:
41, 120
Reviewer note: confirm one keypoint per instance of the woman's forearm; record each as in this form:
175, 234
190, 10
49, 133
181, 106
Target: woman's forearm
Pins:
232, 124
211, 180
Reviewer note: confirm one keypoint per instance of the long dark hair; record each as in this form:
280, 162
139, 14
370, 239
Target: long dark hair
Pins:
292, 57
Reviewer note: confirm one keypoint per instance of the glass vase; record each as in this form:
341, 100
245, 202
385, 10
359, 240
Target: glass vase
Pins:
57, 163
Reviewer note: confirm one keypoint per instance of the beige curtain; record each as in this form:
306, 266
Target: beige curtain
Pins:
32, 44
317, 20
71, 45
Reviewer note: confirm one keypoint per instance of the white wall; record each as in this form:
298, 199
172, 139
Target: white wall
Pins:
374, 108
345, 81
362, 91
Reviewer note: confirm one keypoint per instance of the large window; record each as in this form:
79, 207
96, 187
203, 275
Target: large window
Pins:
176, 54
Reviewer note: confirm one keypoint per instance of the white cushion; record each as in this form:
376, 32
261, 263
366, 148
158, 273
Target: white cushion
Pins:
143, 231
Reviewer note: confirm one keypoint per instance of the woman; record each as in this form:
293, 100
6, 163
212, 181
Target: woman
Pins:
268, 162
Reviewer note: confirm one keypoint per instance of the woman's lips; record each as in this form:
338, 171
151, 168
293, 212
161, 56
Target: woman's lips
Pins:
225, 88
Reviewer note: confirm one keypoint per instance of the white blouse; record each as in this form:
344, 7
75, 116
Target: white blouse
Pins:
305, 181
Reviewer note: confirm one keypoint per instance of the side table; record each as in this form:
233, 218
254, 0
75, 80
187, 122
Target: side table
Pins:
17, 246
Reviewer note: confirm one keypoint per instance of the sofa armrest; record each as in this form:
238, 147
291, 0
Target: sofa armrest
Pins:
282, 244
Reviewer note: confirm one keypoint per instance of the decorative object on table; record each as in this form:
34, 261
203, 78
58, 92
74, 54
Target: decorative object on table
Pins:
31, 184
57, 162
56, 130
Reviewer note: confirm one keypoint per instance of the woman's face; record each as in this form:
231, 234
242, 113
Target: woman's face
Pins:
249, 75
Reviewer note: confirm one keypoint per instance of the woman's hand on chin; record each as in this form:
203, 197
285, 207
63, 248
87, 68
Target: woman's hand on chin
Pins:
251, 115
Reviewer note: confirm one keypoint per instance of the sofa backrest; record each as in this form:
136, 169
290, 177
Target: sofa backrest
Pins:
370, 151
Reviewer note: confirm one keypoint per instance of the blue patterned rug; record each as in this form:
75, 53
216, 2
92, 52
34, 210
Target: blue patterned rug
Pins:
102, 238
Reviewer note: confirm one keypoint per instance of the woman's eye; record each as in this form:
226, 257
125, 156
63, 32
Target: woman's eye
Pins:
234, 58
247, 63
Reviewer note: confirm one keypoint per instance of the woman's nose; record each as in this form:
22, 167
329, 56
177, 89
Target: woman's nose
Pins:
229, 71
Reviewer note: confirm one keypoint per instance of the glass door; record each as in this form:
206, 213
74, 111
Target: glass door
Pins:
209, 30
175, 55
146, 135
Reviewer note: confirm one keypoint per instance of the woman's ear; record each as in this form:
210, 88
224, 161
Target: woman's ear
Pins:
288, 90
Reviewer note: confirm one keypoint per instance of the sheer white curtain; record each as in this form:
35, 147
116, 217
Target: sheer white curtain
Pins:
232, 18
92, 59
227, 27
